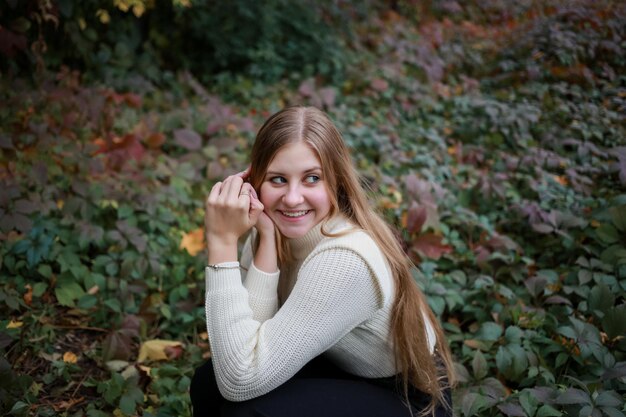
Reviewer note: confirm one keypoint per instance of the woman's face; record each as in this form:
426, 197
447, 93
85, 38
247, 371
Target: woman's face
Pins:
293, 190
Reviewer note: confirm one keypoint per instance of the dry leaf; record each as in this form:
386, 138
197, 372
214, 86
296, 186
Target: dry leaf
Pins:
154, 350
193, 241
70, 357
15, 324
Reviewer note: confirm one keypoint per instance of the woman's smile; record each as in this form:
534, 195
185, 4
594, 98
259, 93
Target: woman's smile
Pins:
293, 192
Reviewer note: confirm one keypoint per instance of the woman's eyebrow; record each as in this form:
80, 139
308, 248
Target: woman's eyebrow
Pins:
316, 168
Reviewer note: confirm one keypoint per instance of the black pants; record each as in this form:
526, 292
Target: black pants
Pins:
320, 389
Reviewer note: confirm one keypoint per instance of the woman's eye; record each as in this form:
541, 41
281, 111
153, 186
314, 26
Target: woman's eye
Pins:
278, 180
312, 179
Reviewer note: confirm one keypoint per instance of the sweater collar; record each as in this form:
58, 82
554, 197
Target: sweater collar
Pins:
302, 246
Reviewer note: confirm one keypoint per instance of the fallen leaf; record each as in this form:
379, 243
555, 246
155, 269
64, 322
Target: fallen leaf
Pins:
416, 217
145, 369
193, 242
70, 357
66, 405
430, 246
174, 352
154, 350
15, 324
155, 140
116, 365
561, 179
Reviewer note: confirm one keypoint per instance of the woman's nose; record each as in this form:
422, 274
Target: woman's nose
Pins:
293, 196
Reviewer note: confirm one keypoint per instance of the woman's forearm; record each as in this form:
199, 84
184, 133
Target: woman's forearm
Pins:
265, 258
220, 250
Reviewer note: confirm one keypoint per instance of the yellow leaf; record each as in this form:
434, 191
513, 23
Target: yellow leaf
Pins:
69, 357
145, 369
82, 23
139, 9
15, 324
122, 5
231, 129
154, 350
104, 16
193, 241
561, 179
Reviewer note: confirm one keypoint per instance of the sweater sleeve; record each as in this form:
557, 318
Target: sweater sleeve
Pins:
335, 292
262, 286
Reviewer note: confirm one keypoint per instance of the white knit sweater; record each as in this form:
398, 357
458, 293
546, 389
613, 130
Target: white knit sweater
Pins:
337, 294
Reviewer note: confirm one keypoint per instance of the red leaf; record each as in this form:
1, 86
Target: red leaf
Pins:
133, 100
155, 140
117, 345
429, 245
307, 87
416, 216
174, 352
328, 95
379, 85
188, 139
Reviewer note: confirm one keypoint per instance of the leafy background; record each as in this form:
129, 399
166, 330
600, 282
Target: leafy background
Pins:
491, 133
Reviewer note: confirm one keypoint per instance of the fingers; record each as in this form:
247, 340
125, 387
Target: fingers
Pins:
215, 192
245, 173
231, 189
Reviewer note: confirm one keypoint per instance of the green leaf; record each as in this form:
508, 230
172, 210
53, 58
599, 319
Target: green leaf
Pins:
19, 407
127, 404
513, 334
612, 412
39, 289
97, 413
472, 403
548, 411
618, 216
608, 399
67, 292
573, 396
45, 270
607, 233
489, 331
504, 360
479, 365
528, 403
601, 298
614, 322
114, 304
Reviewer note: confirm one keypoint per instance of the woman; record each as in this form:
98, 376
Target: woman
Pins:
321, 316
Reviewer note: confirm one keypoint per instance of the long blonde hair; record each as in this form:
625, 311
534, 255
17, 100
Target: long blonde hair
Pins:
414, 360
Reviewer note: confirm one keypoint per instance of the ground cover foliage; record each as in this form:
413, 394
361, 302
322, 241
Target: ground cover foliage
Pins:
490, 133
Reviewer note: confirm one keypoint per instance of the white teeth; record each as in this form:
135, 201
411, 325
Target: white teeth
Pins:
295, 213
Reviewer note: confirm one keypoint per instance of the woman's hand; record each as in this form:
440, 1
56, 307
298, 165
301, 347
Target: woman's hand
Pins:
264, 225
230, 211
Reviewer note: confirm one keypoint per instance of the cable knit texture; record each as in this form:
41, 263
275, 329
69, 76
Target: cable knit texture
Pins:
336, 297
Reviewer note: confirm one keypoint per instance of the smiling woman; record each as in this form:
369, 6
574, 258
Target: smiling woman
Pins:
320, 315
294, 194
